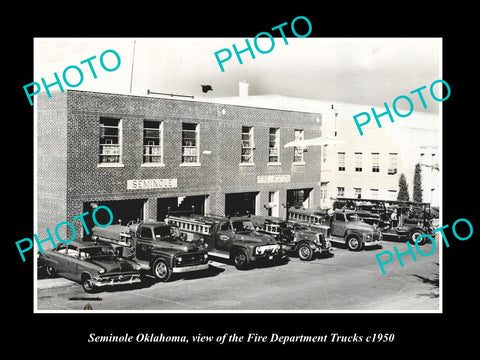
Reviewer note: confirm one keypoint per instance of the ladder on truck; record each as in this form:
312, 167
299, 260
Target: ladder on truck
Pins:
189, 225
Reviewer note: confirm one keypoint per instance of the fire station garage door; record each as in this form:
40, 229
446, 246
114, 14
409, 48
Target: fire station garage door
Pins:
124, 210
240, 203
185, 205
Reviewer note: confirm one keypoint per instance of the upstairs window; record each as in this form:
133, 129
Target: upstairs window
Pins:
274, 145
298, 150
110, 141
358, 162
152, 142
189, 143
341, 161
375, 162
392, 167
247, 145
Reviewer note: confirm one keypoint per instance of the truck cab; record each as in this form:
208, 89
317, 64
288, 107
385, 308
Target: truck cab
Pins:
157, 247
232, 238
346, 227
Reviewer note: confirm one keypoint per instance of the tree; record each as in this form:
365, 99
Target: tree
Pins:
402, 189
417, 184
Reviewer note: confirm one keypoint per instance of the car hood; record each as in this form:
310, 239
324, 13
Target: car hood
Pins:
360, 225
255, 237
113, 264
176, 244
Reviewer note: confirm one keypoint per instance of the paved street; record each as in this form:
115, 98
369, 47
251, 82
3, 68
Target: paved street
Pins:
346, 281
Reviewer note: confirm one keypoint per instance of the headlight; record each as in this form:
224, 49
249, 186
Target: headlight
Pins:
101, 271
179, 259
205, 256
258, 251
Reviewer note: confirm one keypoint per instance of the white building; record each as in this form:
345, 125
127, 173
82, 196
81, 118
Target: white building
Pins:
367, 166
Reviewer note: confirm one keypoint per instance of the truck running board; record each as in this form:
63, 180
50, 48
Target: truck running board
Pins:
220, 254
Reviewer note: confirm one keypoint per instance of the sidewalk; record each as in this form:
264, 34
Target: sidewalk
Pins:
54, 282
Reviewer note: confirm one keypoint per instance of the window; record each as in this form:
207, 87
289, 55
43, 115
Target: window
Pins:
247, 145
358, 161
323, 190
339, 217
298, 151
374, 193
357, 193
375, 162
189, 143
392, 167
152, 142
340, 191
274, 145
110, 141
434, 163
392, 195
145, 233
341, 161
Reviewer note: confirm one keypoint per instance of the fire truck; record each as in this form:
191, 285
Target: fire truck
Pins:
345, 226
232, 238
296, 239
396, 219
157, 247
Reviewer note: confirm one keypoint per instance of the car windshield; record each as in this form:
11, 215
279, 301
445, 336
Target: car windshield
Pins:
166, 232
93, 252
243, 226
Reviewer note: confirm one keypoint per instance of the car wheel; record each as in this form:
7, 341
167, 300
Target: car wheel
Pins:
413, 235
161, 271
305, 252
240, 259
51, 271
354, 243
87, 283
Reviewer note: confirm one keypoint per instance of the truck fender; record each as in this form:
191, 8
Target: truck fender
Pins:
167, 259
235, 248
306, 242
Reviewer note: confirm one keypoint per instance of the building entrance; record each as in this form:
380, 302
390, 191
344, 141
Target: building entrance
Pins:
240, 203
122, 210
183, 205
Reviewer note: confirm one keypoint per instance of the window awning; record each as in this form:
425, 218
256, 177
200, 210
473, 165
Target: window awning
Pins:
319, 141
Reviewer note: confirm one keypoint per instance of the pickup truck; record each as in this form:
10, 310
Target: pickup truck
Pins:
346, 227
156, 246
232, 238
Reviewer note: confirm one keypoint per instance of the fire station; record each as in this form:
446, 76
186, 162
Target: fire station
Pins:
145, 157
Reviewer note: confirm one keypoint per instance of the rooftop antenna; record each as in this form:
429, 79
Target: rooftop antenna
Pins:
133, 59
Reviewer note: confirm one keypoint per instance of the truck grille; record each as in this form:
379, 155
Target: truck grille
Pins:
189, 259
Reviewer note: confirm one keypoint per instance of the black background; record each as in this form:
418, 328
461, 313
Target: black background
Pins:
415, 334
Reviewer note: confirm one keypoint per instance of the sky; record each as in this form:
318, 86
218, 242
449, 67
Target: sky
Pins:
367, 71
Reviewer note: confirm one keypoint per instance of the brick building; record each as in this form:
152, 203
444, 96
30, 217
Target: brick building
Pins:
144, 157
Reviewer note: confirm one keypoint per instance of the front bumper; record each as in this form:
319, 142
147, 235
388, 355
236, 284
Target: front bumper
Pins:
267, 257
190, 268
377, 240
117, 280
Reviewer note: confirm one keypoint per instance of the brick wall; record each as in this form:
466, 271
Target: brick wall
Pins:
69, 164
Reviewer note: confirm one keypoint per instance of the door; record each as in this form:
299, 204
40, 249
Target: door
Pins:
69, 263
144, 243
225, 236
339, 225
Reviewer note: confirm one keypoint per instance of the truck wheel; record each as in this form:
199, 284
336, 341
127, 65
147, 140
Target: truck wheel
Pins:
413, 234
305, 252
240, 259
160, 270
354, 243
87, 283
